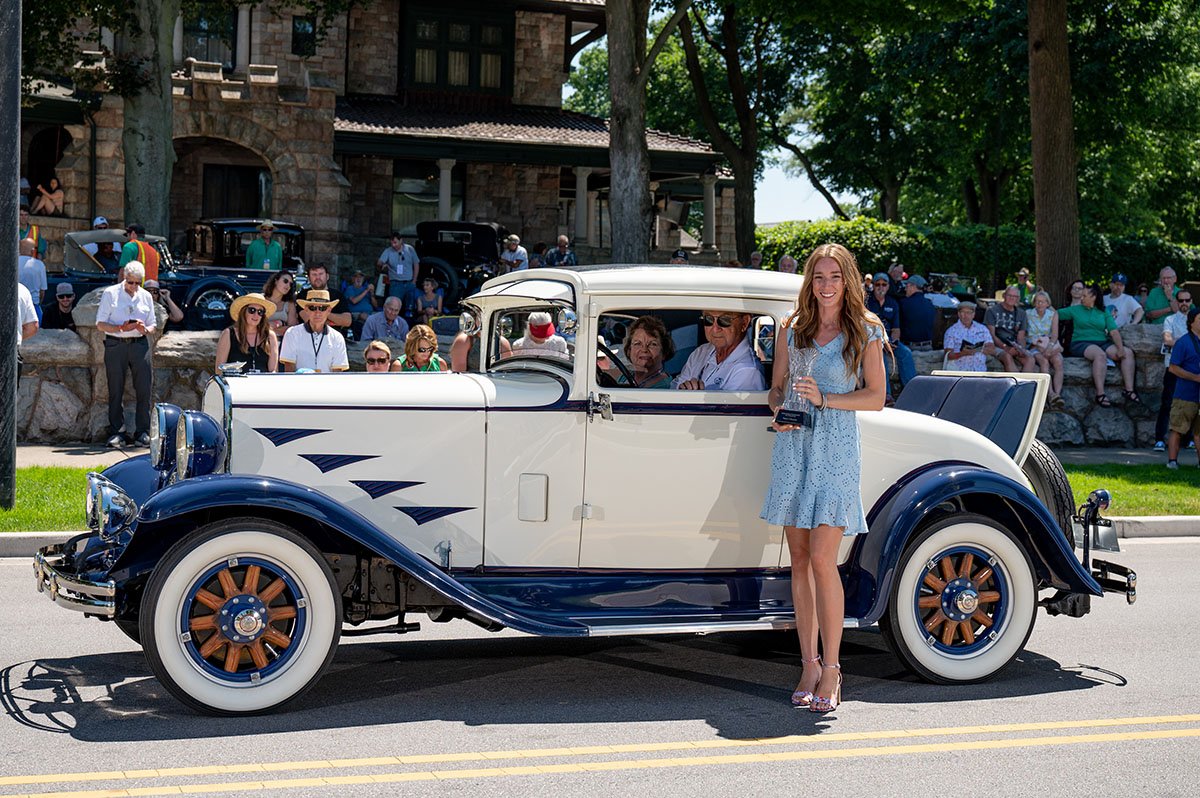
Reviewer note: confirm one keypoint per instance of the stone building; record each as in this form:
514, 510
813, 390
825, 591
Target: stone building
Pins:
407, 110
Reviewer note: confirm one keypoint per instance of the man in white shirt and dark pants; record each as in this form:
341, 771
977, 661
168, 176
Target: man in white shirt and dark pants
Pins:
126, 317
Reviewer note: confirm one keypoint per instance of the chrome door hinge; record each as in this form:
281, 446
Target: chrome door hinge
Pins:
601, 403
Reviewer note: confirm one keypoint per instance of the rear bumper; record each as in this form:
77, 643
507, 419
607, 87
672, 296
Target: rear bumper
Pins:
68, 590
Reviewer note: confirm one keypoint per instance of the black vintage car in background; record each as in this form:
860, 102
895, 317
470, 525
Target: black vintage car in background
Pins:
204, 283
462, 256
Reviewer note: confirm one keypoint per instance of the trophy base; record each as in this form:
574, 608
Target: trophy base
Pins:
795, 418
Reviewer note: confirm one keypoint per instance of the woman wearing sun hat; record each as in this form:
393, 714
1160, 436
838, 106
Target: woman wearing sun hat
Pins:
314, 345
249, 339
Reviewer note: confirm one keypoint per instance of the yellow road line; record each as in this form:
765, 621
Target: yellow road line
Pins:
633, 748
632, 764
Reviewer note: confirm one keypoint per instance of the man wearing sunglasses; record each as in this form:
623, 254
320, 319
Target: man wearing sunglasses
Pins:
58, 317
1174, 329
314, 345
126, 317
726, 362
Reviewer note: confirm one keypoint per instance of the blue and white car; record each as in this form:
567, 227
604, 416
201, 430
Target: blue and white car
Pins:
534, 493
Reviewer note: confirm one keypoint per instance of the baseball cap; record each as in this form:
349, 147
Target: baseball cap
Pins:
917, 280
1120, 277
512, 238
64, 289
679, 254
99, 220
150, 284
882, 276
1023, 270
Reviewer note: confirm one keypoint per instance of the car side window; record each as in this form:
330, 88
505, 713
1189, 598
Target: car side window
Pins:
657, 348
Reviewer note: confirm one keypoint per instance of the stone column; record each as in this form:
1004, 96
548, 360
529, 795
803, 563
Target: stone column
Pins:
710, 211
241, 54
591, 218
444, 165
581, 203
177, 40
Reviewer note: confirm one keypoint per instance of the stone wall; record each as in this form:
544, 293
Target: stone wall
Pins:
271, 43
373, 50
370, 206
1082, 421
523, 198
538, 74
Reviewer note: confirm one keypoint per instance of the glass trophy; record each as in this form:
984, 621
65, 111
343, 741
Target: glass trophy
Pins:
796, 410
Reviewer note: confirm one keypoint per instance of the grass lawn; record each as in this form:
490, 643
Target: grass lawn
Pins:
48, 500
1147, 489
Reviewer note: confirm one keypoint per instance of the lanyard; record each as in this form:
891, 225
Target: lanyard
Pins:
316, 343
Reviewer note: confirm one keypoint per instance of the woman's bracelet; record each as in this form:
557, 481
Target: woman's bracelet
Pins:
824, 401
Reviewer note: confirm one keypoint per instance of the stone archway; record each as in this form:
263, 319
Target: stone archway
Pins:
214, 178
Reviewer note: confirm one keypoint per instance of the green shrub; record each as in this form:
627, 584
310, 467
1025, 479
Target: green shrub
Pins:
991, 255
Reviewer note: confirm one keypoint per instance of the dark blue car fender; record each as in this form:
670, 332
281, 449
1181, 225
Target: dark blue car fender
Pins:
158, 527
136, 477
901, 511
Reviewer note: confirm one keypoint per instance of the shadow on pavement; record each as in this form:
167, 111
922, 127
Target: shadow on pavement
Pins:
738, 683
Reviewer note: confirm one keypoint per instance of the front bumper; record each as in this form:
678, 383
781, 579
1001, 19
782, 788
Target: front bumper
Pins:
68, 590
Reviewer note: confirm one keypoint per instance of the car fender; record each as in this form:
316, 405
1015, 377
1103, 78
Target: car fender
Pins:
161, 517
136, 477
202, 284
903, 509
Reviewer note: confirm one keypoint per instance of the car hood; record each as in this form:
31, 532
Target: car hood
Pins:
397, 391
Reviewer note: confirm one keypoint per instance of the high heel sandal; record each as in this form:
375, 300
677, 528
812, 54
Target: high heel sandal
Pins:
822, 704
802, 698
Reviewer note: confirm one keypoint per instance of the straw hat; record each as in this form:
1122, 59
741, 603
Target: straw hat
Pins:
235, 310
267, 225
315, 296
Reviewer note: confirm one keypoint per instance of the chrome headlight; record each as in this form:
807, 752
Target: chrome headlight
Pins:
200, 444
162, 436
109, 509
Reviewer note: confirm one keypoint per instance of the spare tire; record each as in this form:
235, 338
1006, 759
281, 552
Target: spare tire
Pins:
1049, 481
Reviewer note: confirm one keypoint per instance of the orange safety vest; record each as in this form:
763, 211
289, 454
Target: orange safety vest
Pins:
148, 255
35, 236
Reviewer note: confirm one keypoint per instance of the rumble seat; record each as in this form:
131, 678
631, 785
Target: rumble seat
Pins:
996, 407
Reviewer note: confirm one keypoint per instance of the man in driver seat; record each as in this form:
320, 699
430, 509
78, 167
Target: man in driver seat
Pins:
726, 362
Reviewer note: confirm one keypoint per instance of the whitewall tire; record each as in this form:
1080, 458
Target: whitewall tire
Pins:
962, 602
240, 617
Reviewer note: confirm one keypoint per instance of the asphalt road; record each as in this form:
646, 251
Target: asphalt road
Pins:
1104, 705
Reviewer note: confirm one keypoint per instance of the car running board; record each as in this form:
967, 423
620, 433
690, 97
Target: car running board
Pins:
625, 627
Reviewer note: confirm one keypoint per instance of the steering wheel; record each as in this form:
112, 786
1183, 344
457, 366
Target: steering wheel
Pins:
603, 378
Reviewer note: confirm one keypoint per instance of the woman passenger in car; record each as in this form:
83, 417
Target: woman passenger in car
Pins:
249, 339
647, 348
814, 490
726, 362
420, 351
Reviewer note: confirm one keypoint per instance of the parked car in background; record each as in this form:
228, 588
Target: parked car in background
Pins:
222, 244
553, 499
461, 255
204, 296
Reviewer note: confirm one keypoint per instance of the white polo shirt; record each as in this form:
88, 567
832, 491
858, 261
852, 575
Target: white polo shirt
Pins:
322, 352
25, 310
741, 371
118, 307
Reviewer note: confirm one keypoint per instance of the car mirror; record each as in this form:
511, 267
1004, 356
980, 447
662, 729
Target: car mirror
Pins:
468, 323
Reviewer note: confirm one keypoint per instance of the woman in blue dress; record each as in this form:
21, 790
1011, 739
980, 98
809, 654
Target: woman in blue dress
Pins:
815, 470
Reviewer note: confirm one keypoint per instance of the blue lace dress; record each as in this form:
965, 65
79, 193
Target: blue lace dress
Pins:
815, 472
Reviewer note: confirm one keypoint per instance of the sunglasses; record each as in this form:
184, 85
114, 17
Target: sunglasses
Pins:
255, 310
318, 308
287, 280
132, 282
425, 350
72, 296
377, 361
725, 322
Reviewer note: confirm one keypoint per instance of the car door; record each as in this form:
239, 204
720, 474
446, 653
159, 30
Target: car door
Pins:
675, 479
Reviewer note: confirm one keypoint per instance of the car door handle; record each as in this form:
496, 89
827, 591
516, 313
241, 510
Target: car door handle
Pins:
601, 403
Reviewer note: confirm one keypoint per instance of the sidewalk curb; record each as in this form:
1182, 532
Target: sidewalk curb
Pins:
25, 544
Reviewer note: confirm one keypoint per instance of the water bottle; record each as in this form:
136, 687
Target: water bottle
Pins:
267, 264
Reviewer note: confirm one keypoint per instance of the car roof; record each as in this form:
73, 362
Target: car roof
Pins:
660, 280
249, 222
97, 236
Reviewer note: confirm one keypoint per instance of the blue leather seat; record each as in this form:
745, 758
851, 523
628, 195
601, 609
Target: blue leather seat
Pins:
996, 407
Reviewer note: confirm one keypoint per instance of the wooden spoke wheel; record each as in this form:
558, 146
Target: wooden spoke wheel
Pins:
240, 617
962, 601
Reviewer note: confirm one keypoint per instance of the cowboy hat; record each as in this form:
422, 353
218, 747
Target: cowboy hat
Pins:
315, 296
235, 310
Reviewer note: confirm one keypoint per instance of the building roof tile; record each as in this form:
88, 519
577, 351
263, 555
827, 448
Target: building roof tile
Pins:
547, 126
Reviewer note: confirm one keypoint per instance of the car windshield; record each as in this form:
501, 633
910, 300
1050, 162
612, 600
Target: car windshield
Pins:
537, 331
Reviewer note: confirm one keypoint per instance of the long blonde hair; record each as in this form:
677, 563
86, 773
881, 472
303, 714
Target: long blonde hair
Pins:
419, 333
855, 316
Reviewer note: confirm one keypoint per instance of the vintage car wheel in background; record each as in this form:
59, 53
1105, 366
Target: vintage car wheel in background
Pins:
963, 601
240, 617
209, 308
1049, 481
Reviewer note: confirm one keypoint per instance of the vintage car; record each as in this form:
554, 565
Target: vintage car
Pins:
462, 256
549, 499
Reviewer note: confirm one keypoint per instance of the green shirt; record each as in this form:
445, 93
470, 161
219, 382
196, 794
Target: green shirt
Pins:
1092, 325
258, 252
434, 364
1157, 300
